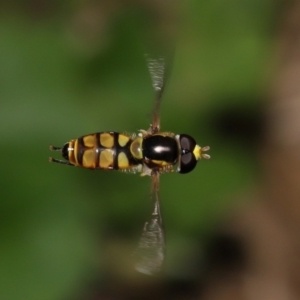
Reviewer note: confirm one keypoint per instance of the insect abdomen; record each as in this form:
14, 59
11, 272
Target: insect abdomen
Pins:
102, 150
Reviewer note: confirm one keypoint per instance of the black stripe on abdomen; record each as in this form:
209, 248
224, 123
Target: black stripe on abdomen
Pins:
80, 150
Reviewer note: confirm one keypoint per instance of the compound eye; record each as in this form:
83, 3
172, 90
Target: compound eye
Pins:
187, 143
187, 163
65, 151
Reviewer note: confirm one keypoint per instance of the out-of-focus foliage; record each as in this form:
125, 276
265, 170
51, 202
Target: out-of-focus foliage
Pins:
57, 82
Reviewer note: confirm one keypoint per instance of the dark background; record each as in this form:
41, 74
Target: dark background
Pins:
71, 69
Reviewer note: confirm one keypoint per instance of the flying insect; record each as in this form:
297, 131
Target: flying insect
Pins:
150, 152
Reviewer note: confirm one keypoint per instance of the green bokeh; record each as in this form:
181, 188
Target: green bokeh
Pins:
55, 221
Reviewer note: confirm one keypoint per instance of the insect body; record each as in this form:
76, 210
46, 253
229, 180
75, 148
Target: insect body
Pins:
150, 152
146, 153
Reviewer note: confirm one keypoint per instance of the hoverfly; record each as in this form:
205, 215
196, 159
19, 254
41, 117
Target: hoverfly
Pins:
150, 152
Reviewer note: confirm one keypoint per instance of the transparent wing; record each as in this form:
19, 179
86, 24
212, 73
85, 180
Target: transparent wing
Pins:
151, 248
157, 69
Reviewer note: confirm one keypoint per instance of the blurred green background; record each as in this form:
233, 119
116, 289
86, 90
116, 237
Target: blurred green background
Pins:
71, 69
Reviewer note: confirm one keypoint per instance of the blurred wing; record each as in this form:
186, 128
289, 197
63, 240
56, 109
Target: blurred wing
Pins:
157, 68
151, 248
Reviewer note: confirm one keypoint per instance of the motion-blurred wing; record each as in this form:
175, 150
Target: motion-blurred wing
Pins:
157, 68
151, 248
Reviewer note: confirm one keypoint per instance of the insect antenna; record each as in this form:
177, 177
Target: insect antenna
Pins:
205, 155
